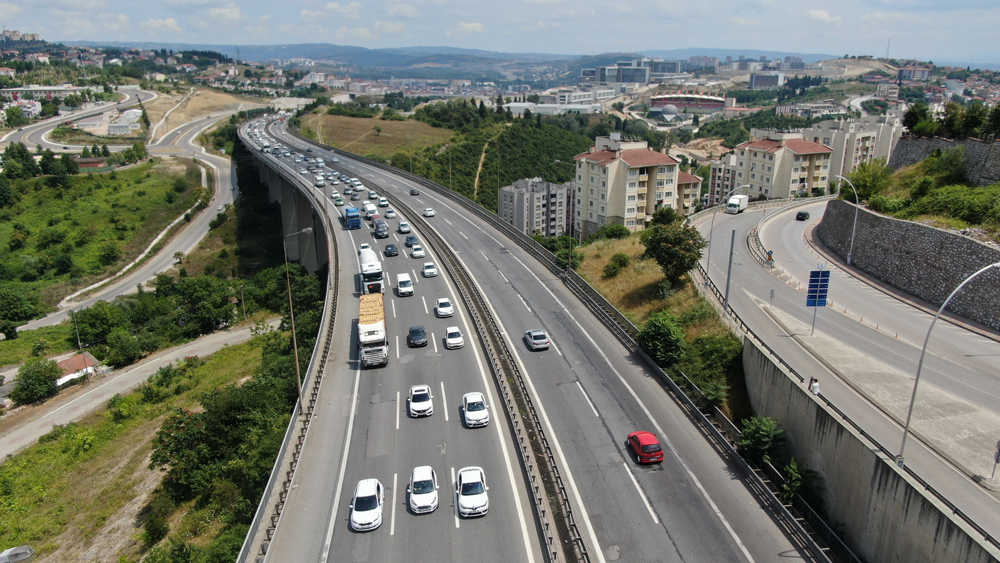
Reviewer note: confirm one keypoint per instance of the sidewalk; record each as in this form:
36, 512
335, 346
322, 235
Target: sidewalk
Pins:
78, 401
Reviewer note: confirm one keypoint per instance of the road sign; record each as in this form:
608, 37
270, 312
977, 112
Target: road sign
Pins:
819, 287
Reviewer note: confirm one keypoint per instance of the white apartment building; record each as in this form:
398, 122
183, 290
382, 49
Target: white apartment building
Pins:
722, 179
623, 182
534, 206
854, 141
778, 165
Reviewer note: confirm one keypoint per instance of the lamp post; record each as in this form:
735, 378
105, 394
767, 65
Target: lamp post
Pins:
854, 229
920, 362
711, 229
291, 313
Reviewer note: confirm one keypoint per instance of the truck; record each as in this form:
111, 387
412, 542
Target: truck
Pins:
353, 217
371, 272
373, 342
737, 204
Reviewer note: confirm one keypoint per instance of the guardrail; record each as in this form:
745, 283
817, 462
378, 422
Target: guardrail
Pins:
620, 326
313, 377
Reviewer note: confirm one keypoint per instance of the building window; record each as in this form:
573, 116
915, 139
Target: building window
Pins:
660, 183
670, 181
632, 185
591, 179
591, 214
795, 170
661, 170
591, 203
630, 210
670, 194
631, 198
630, 223
795, 181
604, 196
604, 184
579, 177
591, 191
659, 195
602, 209
633, 171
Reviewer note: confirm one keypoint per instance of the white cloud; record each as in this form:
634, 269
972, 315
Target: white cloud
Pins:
466, 28
359, 33
349, 10
226, 15
161, 26
390, 28
823, 16
114, 22
8, 11
540, 25
403, 11
307, 15
745, 21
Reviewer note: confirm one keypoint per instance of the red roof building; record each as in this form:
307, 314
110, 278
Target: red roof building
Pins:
779, 165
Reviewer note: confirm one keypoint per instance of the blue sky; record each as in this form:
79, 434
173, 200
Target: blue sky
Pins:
927, 29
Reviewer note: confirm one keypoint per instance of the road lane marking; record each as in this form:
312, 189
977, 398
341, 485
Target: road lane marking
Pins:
639, 490
463, 235
416, 278
397, 397
523, 302
343, 465
553, 343
392, 523
436, 351
393, 301
484, 254
425, 304
454, 495
449, 222
585, 396
444, 398
397, 346
503, 276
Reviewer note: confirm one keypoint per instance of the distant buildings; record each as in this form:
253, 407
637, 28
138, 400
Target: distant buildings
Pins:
772, 81
855, 141
126, 122
535, 206
635, 71
915, 73
811, 109
887, 91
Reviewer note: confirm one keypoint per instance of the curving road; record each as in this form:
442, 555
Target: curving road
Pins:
591, 393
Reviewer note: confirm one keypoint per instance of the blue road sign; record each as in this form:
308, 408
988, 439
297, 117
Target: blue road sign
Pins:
819, 286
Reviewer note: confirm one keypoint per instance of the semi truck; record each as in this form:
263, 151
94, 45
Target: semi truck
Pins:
737, 204
373, 343
353, 217
371, 272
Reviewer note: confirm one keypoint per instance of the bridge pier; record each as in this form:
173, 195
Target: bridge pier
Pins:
297, 213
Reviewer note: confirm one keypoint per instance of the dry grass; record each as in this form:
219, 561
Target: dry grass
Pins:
357, 134
203, 103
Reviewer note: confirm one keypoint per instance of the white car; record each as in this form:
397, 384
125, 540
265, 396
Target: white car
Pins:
453, 339
423, 490
474, 410
430, 270
537, 339
417, 251
390, 214
444, 308
421, 402
429, 212
471, 490
366, 506
303, 171
364, 246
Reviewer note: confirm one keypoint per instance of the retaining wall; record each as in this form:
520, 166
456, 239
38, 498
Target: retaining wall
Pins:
982, 159
926, 262
884, 516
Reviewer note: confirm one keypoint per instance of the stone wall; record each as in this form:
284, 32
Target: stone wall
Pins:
923, 261
982, 159
884, 515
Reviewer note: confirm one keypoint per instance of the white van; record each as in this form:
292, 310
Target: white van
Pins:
404, 284
382, 202
370, 210
404, 227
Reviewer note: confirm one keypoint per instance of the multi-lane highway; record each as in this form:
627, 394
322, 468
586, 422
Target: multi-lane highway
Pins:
591, 393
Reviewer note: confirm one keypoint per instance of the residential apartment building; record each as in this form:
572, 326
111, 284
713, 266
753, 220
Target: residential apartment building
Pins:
777, 165
888, 91
855, 141
623, 182
916, 73
688, 192
534, 206
722, 179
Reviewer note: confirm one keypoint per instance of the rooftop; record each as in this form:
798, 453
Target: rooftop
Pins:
797, 146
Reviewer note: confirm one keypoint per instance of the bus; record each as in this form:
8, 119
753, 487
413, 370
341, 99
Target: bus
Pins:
353, 217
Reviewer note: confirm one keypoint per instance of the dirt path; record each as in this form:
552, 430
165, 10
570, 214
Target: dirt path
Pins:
475, 185
359, 139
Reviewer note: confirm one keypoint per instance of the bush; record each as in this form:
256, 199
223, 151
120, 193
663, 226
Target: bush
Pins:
621, 260
663, 339
887, 205
613, 231
36, 380
612, 270
761, 438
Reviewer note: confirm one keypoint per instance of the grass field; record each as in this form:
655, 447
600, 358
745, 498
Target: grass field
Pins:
80, 490
357, 134
79, 137
17, 350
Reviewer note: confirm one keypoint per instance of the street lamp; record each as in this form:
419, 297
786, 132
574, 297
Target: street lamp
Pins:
291, 313
920, 362
855, 227
711, 229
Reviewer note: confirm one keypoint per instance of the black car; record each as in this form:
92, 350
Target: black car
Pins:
309, 150
414, 191
418, 336
391, 250
802, 216
411, 240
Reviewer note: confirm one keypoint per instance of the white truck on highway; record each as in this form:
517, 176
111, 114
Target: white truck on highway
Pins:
371, 272
373, 343
737, 204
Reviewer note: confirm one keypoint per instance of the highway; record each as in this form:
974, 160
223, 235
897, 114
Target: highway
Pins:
958, 361
591, 393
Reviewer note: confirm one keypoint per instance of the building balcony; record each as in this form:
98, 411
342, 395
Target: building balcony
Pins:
643, 177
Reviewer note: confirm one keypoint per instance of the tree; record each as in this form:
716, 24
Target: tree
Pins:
871, 178
951, 121
676, 248
6, 193
8, 329
104, 151
761, 438
95, 323
378, 131
69, 164
14, 306
36, 380
662, 338
85, 153
612, 231
123, 348
665, 216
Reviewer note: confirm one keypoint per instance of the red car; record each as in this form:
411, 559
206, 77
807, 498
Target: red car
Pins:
645, 446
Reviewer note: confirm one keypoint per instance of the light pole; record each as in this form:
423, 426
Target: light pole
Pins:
920, 362
711, 229
857, 206
291, 313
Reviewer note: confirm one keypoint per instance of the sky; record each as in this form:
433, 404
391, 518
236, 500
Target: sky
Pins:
938, 30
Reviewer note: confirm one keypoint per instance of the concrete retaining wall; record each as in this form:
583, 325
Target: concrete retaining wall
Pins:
982, 159
923, 261
884, 516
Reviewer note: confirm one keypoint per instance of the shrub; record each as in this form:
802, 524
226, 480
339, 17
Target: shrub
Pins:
611, 270
887, 204
662, 339
621, 260
761, 438
36, 380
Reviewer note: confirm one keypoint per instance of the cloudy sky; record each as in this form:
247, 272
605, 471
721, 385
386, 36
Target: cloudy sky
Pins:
926, 29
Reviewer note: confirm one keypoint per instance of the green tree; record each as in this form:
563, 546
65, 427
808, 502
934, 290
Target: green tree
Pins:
36, 380
8, 329
871, 178
6, 193
85, 153
951, 121
761, 438
993, 123
110, 253
123, 348
96, 322
613, 231
665, 216
675, 247
69, 164
663, 339
105, 152
14, 306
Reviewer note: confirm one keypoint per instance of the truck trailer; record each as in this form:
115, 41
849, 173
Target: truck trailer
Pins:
371, 272
373, 342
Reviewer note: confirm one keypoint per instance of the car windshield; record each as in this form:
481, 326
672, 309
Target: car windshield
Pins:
405, 283
474, 488
444, 304
455, 334
366, 503
422, 487
651, 448
417, 332
475, 406
421, 397
538, 336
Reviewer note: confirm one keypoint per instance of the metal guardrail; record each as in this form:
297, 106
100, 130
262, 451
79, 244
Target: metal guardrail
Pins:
620, 326
316, 368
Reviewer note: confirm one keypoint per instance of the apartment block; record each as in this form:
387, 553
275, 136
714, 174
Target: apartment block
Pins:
533, 205
722, 179
624, 182
887, 91
854, 141
780, 164
917, 73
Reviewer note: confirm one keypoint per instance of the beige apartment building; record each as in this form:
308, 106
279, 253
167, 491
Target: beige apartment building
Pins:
532, 205
777, 165
624, 182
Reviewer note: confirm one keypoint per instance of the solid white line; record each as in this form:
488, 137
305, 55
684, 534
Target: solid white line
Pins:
503, 276
425, 304
585, 396
436, 351
463, 234
393, 301
343, 466
454, 496
523, 302
641, 494
397, 346
444, 398
392, 523
397, 401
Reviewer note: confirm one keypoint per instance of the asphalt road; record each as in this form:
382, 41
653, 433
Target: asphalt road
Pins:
958, 360
592, 393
